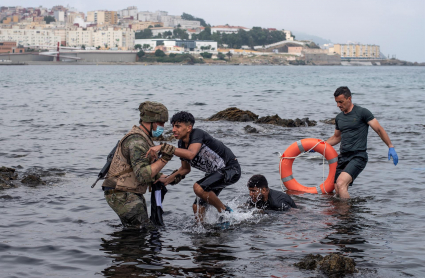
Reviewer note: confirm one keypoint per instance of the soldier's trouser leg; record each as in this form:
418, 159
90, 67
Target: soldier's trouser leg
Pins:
131, 209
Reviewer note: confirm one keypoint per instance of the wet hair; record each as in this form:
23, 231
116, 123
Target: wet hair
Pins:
343, 91
258, 181
183, 117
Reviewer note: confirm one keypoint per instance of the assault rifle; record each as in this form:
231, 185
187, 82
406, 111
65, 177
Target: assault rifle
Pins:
105, 168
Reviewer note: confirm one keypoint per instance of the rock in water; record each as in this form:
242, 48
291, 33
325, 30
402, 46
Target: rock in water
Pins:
250, 129
329, 121
8, 173
335, 264
310, 262
234, 114
276, 120
32, 180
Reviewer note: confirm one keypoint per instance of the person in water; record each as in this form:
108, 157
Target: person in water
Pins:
262, 197
131, 171
198, 149
351, 129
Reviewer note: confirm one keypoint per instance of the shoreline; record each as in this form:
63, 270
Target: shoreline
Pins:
51, 63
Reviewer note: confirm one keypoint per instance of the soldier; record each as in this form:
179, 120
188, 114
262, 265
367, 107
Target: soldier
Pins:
131, 171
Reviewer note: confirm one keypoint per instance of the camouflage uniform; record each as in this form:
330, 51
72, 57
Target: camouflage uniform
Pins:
130, 206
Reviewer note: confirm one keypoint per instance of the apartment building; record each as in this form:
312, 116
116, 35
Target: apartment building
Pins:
101, 17
106, 37
356, 51
30, 37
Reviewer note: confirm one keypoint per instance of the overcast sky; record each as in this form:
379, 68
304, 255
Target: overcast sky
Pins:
397, 26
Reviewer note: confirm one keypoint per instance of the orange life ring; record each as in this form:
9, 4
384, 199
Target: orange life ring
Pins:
288, 157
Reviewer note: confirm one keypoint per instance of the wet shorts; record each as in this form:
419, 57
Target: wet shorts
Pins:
352, 163
220, 179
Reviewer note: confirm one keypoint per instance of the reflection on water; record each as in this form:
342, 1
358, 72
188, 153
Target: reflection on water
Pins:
140, 254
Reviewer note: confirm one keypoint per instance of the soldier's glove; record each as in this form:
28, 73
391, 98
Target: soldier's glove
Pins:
167, 151
177, 178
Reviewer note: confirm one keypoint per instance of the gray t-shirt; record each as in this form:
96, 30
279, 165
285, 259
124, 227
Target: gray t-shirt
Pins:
354, 129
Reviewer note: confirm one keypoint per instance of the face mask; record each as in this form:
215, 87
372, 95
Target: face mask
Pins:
159, 130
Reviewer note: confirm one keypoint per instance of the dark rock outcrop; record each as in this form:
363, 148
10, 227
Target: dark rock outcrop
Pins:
250, 129
8, 174
336, 265
276, 120
234, 114
309, 262
32, 180
333, 265
329, 121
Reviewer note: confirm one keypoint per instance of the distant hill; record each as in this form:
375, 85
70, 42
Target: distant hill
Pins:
299, 36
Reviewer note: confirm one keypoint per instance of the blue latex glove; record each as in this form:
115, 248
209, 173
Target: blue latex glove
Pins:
393, 154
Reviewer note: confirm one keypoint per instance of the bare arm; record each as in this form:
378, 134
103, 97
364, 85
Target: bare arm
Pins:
190, 153
374, 124
334, 139
183, 170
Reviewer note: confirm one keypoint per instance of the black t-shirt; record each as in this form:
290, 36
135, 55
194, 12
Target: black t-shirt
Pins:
213, 154
277, 200
354, 129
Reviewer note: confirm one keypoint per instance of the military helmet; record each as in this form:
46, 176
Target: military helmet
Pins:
151, 112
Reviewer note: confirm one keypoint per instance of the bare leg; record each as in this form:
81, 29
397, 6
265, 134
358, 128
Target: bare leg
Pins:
341, 185
209, 197
199, 216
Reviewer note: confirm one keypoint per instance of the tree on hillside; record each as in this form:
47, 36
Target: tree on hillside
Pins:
180, 34
159, 53
144, 34
49, 19
186, 16
229, 54
140, 54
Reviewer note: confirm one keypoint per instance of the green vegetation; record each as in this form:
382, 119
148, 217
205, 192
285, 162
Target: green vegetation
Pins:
180, 34
176, 58
144, 34
138, 46
186, 16
229, 54
159, 53
140, 54
49, 19
83, 47
253, 37
206, 55
221, 56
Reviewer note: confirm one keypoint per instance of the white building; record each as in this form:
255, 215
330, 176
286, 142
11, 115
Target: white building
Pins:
60, 16
122, 38
160, 30
130, 11
168, 20
227, 29
288, 35
30, 37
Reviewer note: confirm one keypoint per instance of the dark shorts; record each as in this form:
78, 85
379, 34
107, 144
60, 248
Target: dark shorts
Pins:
219, 179
351, 163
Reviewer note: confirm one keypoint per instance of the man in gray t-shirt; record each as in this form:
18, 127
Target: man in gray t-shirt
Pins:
351, 129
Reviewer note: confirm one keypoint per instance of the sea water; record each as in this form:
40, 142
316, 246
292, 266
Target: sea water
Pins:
62, 121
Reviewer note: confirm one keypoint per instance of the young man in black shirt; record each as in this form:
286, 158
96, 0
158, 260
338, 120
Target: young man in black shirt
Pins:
351, 129
198, 149
262, 197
